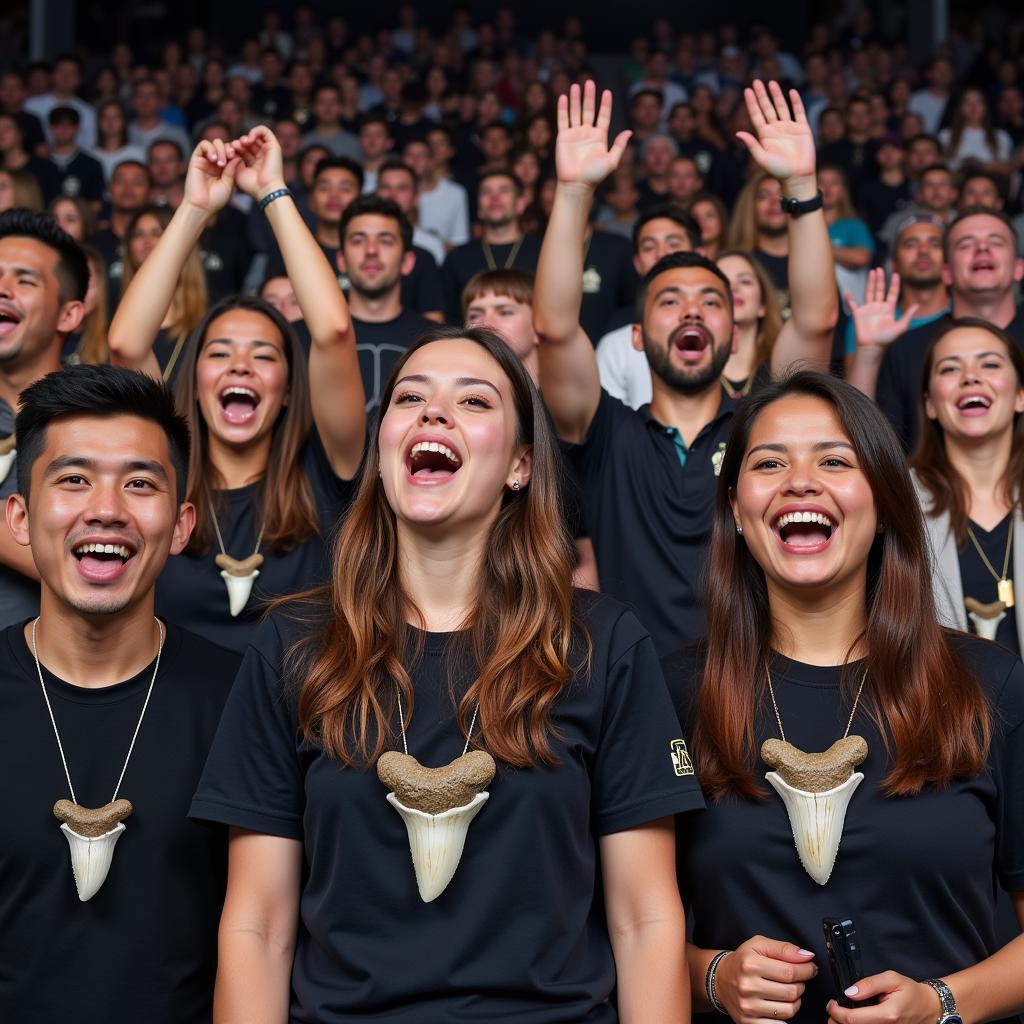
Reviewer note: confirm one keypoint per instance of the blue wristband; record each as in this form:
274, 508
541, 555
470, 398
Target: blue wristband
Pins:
271, 196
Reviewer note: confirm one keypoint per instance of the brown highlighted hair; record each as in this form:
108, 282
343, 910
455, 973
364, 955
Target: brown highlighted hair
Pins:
947, 487
93, 348
288, 510
769, 324
743, 223
514, 284
519, 634
925, 701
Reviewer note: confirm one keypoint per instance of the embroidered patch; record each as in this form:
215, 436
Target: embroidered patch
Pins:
591, 281
681, 763
716, 458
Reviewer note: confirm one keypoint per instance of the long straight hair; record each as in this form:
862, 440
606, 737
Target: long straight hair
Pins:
769, 324
743, 222
522, 632
287, 512
926, 703
948, 489
959, 125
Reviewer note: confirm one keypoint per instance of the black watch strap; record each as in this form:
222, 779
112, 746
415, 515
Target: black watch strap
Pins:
795, 207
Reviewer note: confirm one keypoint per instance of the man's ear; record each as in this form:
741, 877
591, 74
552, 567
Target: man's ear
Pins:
521, 203
947, 277
339, 260
70, 317
408, 263
16, 511
637, 337
183, 527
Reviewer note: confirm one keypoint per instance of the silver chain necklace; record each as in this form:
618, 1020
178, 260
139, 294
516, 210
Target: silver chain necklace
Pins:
92, 832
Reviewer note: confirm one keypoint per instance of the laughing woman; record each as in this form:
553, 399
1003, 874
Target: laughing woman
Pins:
274, 442
541, 886
822, 637
968, 468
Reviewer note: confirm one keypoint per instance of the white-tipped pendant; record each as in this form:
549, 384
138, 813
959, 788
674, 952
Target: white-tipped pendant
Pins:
92, 833
985, 618
239, 590
90, 859
8, 453
436, 842
817, 821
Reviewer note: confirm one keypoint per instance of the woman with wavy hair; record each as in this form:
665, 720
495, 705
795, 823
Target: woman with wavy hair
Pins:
969, 469
363, 885
276, 438
858, 760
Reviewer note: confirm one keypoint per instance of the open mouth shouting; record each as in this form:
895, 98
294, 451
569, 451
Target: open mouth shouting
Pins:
430, 462
691, 341
807, 531
238, 404
102, 560
10, 319
973, 405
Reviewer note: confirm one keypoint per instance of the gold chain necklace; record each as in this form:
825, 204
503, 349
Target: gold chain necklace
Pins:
1004, 585
853, 710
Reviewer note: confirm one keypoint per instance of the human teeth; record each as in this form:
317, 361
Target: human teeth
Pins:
804, 517
434, 446
247, 392
103, 549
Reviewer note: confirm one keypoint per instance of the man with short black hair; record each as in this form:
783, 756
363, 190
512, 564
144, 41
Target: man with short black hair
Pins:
376, 252
326, 124
443, 204
271, 98
502, 242
147, 125
67, 80
129, 193
980, 188
167, 166
375, 143
108, 717
43, 280
79, 175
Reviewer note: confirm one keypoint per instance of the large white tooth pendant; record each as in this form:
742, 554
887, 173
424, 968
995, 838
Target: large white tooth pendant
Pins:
815, 800
437, 806
8, 454
92, 833
985, 617
239, 577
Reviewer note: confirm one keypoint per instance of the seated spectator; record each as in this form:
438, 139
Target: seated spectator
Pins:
853, 245
684, 181
935, 195
75, 216
271, 98
656, 79
88, 344
971, 136
855, 153
66, 81
19, 189
14, 156
931, 102
980, 188
326, 129
646, 108
167, 168
656, 156
759, 226
880, 197
443, 203
147, 125
12, 101
713, 220
78, 174
619, 210
375, 143
279, 293
112, 145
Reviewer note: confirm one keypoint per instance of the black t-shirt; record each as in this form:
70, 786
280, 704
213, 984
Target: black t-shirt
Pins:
381, 345
609, 282
82, 176
145, 946
111, 248
191, 591
520, 932
877, 201
918, 875
858, 161
422, 291
46, 175
649, 515
899, 378
777, 268
19, 595
226, 254
466, 260
977, 580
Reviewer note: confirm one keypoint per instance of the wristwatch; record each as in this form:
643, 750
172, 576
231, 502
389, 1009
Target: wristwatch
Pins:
795, 207
949, 1013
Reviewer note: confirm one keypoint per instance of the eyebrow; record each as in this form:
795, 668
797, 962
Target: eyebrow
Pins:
62, 462
676, 290
819, 447
462, 382
977, 355
251, 341
26, 272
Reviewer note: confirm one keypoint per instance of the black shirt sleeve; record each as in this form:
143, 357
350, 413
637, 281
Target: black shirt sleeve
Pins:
426, 294
1007, 758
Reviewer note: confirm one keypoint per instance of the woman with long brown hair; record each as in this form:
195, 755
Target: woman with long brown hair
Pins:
968, 469
275, 441
859, 761
188, 302
89, 343
450, 628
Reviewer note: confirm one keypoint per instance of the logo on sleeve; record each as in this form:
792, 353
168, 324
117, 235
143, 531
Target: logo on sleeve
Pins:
681, 763
717, 457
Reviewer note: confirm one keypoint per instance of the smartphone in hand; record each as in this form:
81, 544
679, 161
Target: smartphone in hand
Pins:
844, 958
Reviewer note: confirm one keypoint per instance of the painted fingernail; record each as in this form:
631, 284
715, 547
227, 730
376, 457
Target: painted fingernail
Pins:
805, 952
852, 991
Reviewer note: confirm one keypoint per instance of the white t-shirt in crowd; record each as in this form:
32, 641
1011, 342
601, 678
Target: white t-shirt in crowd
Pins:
43, 104
429, 241
144, 138
444, 211
974, 146
929, 108
625, 373
110, 158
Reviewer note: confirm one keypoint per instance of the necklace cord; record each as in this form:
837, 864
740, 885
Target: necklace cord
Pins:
984, 557
849, 721
220, 539
401, 719
53, 721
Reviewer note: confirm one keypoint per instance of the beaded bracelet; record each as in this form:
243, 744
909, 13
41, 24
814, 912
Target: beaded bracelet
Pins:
271, 196
709, 981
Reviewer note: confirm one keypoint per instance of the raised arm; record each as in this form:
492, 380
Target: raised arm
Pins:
335, 384
208, 187
876, 327
784, 147
569, 376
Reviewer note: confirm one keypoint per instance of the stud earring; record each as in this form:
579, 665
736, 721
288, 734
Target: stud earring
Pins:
515, 484
739, 529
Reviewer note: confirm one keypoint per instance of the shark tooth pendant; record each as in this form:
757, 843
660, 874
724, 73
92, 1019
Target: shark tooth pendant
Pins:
437, 805
8, 453
816, 789
92, 833
985, 617
239, 576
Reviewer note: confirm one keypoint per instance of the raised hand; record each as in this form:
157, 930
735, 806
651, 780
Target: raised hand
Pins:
211, 176
582, 154
783, 145
875, 323
262, 169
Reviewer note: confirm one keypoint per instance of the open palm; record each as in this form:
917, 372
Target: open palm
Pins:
211, 175
875, 323
783, 144
262, 168
582, 154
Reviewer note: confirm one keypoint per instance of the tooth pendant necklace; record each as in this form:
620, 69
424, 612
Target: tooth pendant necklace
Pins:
8, 453
816, 788
238, 576
93, 832
437, 806
986, 617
